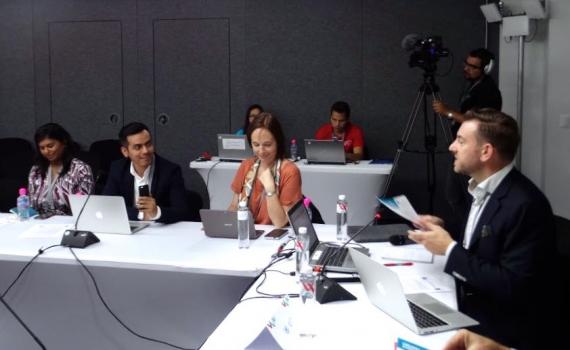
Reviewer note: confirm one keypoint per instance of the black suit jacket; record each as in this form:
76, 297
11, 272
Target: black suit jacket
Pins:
504, 279
167, 188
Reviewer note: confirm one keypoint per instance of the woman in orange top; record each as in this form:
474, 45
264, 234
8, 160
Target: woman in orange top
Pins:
268, 183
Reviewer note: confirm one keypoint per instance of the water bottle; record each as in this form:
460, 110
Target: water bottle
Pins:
307, 204
307, 280
293, 149
302, 250
243, 225
23, 204
341, 218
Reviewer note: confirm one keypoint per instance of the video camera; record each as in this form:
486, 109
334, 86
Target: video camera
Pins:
425, 51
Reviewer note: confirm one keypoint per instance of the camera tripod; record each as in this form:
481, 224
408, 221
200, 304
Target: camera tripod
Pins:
428, 88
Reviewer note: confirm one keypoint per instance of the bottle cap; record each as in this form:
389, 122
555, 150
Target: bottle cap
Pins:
302, 230
242, 204
22, 191
294, 141
341, 197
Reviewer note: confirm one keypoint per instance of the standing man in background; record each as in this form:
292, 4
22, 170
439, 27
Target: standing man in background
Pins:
340, 128
480, 92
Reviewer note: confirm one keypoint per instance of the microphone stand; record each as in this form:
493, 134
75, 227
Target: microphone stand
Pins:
327, 289
76, 238
36, 339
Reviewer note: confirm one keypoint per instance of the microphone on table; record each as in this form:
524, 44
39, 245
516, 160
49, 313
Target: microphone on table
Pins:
327, 289
79, 238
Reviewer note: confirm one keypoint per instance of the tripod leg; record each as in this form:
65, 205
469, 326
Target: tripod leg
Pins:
444, 123
405, 138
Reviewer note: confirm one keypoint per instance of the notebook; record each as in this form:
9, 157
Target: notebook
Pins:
223, 224
324, 151
419, 312
319, 251
233, 148
104, 214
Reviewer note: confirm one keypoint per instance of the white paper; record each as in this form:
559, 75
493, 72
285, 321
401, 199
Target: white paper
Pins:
412, 252
423, 284
45, 231
401, 206
237, 144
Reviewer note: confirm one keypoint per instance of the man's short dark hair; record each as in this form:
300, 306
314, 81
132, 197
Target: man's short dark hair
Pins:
131, 129
484, 55
341, 107
497, 128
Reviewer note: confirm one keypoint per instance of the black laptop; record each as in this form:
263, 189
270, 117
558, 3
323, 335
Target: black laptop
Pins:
336, 258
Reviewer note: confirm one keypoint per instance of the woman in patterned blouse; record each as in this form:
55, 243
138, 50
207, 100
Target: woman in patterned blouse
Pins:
56, 173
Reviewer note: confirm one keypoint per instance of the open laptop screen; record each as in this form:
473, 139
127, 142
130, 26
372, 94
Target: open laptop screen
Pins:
298, 217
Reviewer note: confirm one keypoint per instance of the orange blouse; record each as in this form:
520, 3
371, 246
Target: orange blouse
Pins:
289, 189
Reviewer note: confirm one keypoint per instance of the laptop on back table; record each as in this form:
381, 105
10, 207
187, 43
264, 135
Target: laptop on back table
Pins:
324, 151
233, 148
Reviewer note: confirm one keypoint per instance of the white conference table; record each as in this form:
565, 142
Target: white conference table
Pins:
169, 282
342, 324
360, 182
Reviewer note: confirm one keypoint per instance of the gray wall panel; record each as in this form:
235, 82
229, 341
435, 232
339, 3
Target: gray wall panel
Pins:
191, 69
16, 69
308, 55
86, 80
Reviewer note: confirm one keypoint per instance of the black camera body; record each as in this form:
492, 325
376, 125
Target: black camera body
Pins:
426, 53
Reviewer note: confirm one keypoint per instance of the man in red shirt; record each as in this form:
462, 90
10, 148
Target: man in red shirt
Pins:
340, 128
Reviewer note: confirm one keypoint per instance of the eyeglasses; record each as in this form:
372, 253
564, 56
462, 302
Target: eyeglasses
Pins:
472, 66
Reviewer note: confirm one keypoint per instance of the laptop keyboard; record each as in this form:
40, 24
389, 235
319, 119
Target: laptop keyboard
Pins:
336, 259
423, 318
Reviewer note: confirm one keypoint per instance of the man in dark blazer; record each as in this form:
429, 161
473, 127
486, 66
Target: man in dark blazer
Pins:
503, 259
166, 201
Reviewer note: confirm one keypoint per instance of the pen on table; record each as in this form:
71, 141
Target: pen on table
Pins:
399, 264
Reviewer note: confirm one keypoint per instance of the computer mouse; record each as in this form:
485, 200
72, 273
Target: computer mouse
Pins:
400, 240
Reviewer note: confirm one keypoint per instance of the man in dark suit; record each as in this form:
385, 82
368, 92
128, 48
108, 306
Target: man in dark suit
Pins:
166, 201
503, 259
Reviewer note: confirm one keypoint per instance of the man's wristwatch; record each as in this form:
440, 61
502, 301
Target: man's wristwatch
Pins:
269, 194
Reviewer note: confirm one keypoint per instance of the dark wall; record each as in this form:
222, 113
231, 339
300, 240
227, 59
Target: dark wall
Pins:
190, 68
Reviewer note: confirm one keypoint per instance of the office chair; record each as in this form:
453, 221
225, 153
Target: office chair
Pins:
105, 151
16, 158
195, 203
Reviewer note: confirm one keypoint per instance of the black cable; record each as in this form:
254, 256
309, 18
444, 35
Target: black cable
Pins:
36, 339
40, 252
113, 314
294, 295
265, 296
208, 175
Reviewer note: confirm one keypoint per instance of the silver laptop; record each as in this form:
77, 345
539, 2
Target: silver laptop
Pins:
419, 312
104, 214
329, 253
223, 224
324, 151
233, 148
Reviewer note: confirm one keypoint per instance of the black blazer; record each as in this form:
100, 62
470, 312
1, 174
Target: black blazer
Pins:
504, 279
167, 188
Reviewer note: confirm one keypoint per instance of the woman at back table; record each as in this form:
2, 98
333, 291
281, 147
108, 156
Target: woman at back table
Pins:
56, 173
252, 112
268, 183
